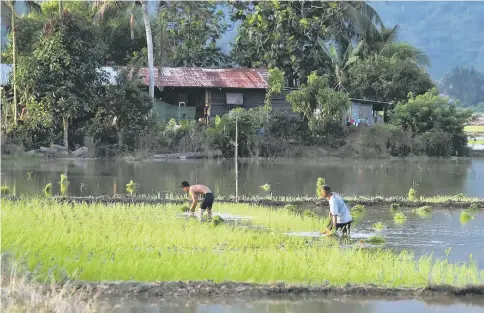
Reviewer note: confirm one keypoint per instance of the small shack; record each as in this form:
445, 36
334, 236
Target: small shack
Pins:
366, 112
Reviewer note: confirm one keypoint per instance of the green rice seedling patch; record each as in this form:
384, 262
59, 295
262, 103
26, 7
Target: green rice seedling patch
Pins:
142, 242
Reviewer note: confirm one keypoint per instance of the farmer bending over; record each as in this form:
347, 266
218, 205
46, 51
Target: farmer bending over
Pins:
196, 190
340, 217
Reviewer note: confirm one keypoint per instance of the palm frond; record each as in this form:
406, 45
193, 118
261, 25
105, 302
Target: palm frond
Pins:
389, 35
405, 51
371, 14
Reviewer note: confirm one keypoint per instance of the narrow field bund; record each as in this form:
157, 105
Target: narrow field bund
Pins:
149, 243
447, 202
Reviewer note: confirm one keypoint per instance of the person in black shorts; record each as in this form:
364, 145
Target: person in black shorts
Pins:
196, 190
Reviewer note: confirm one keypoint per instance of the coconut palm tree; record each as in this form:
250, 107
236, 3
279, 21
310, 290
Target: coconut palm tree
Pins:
31, 5
102, 5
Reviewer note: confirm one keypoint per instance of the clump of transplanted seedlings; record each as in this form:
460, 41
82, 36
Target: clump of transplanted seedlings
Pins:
375, 240
412, 194
359, 208
379, 226
4, 190
48, 190
399, 217
184, 208
424, 210
216, 220
465, 216
320, 182
265, 187
131, 187
64, 182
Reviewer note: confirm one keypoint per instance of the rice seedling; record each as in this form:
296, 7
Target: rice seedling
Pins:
465, 216
4, 190
265, 187
131, 187
399, 217
184, 208
142, 242
394, 208
357, 208
379, 226
48, 190
320, 182
412, 194
63, 179
216, 220
29, 175
375, 240
423, 211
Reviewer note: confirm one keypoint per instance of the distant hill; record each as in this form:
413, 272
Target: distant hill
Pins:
449, 32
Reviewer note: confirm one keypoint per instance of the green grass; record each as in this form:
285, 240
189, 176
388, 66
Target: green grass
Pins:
474, 129
121, 242
357, 208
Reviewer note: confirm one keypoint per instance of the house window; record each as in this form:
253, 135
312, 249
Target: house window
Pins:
234, 99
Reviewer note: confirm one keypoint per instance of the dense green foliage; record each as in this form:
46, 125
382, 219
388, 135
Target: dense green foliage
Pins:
465, 85
330, 51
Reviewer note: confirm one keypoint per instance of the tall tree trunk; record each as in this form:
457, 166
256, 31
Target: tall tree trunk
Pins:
149, 44
14, 65
65, 121
60, 7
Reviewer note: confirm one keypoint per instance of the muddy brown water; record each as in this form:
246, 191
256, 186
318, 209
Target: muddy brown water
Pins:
329, 305
286, 177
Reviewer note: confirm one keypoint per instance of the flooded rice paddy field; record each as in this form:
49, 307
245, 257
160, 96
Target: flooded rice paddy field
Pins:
388, 178
441, 233
329, 305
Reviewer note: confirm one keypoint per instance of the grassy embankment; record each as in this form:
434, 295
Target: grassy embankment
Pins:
150, 243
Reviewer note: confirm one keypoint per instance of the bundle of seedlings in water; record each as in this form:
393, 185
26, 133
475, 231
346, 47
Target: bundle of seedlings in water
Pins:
378, 226
216, 220
399, 217
320, 182
424, 210
395, 207
48, 190
4, 190
412, 194
466, 216
131, 187
375, 240
359, 208
184, 208
63, 184
265, 187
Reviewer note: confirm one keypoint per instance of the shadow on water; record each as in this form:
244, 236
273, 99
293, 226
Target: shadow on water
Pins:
348, 305
286, 177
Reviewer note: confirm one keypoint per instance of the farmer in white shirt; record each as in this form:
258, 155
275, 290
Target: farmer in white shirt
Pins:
340, 217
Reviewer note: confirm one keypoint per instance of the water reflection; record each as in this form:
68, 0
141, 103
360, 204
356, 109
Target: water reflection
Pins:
307, 306
294, 177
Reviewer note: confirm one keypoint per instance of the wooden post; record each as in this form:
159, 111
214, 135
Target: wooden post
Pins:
236, 159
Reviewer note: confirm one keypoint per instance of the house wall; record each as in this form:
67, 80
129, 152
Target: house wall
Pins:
361, 111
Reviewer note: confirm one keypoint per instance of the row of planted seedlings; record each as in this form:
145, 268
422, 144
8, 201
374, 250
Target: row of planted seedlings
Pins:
142, 242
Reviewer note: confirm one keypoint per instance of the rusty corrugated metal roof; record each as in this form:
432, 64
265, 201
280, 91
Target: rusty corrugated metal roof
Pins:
209, 78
